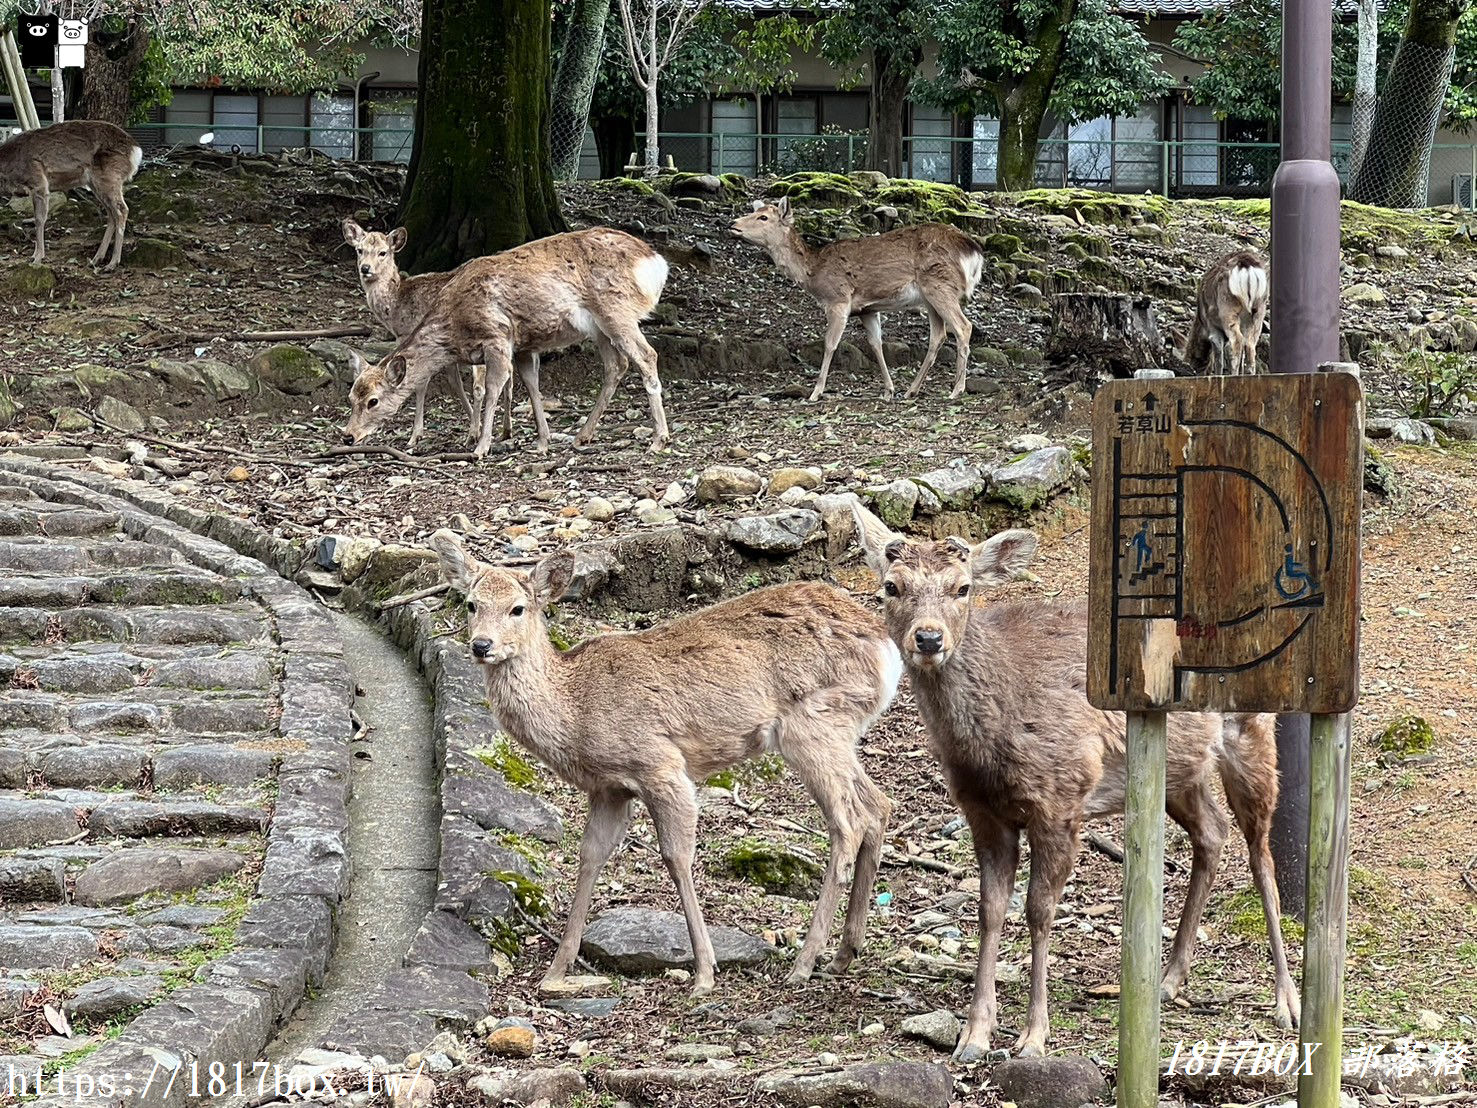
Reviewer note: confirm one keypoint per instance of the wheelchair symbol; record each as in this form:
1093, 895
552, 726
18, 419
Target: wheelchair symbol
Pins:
1293, 581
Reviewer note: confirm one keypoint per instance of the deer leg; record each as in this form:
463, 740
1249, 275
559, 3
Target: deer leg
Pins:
835, 328
673, 807
959, 324
498, 361
120, 224
935, 340
455, 373
614, 366
110, 216
868, 860
507, 428
40, 201
610, 814
633, 346
528, 373
1254, 335
1201, 817
997, 851
420, 417
1053, 853
872, 327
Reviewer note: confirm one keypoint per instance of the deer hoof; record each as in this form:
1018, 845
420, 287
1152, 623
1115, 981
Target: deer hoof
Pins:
1030, 1048
702, 987
968, 1053
658, 445
956, 393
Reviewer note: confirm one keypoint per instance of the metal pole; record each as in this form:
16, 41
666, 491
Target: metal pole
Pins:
1143, 911
1305, 330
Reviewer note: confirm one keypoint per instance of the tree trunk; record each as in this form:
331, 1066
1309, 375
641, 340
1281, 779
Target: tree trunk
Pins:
615, 140
653, 109
113, 60
1364, 98
1023, 104
480, 180
574, 84
1395, 170
891, 76
1113, 331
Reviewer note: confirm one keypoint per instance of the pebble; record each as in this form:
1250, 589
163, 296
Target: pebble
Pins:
827, 1059
599, 510
513, 1042
873, 1029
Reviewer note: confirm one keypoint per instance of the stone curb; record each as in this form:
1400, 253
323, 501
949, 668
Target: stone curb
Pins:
287, 935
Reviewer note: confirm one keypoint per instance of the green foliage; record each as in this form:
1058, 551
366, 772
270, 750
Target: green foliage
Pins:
1241, 46
1407, 736
529, 894
1436, 383
150, 87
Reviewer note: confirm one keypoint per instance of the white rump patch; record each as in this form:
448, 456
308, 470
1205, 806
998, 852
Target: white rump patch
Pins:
135, 159
651, 277
890, 662
1248, 284
973, 266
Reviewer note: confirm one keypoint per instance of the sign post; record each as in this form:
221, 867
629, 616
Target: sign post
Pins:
1225, 578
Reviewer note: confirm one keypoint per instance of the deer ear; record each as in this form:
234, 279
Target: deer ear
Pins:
1003, 557
552, 576
756, 205
784, 209
395, 371
458, 567
353, 233
397, 239
358, 364
880, 544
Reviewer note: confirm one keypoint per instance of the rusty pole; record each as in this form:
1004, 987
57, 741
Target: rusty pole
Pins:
1305, 330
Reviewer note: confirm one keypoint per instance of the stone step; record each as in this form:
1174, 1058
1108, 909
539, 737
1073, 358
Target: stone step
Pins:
147, 585
241, 622
58, 523
139, 818
32, 880
40, 556
34, 758
25, 822
31, 947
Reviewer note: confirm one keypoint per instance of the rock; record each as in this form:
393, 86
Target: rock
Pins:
956, 486
1364, 294
1463, 429
1027, 293
873, 1085
291, 369
26, 823
645, 940
1379, 476
796, 497
354, 556
109, 468
774, 869
106, 997
153, 255
416, 1092
119, 414
225, 382
727, 483
777, 533
1413, 432
513, 1041
674, 495
653, 514
31, 279
1059, 1081
128, 874
894, 503
26, 946
793, 477
1024, 444
939, 1029
575, 985
559, 1085
1026, 483
1391, 250
598, 509
1427, 1020
697, 1052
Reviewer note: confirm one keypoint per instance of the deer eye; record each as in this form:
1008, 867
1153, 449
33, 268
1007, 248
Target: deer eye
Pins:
518, 610
764, 219
890, 588
963, 591
471, 605
374, 402
384, 253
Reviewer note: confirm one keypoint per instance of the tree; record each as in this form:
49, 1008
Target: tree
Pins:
118, 48
480, 179
888, 35
575, 74
1364, 83
653, 31
1394, 172
1020, 59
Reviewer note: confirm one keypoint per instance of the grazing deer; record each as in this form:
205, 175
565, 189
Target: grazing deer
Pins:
398, 302
506, 309
1230, 311
82, 152
931, 268
1001, 689
800, 669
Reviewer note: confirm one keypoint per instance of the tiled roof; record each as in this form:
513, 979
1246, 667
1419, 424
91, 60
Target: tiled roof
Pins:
1169, 9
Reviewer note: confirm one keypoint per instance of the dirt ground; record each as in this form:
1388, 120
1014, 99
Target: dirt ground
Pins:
264, 252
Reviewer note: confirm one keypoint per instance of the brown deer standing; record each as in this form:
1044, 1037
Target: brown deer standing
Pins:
63, 156
800, 669
1230, 311
398, 302
1001, 689
506, 309
931, 268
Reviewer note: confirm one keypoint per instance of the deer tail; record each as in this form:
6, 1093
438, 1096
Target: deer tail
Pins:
972, 262
1248, 284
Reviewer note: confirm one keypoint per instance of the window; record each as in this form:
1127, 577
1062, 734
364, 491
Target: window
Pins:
333, 119
235, 122
930, 153
985, 152
1090, 153
282, 120
186, 117
1196, 156
392, 123
740, 153
1136, 152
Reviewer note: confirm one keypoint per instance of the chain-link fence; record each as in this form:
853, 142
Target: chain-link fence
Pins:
1395, 169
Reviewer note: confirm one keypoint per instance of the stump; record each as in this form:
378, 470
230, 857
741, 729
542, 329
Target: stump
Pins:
1104, 330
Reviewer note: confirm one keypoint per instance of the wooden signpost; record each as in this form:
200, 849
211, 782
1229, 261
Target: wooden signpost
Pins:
1225, 578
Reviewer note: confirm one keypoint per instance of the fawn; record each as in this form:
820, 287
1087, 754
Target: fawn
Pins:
81, 152
506, 309
398, 302
1230, 311
1001, 689
930, 268
800, 669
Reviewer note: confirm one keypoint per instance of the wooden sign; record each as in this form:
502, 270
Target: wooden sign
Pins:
1225, 523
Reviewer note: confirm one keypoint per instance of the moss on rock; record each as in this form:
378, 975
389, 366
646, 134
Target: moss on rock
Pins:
775, 869
1407, 736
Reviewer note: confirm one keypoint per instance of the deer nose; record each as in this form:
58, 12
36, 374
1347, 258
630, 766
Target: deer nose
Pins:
348, 440
929, 642
364, 269
481, 648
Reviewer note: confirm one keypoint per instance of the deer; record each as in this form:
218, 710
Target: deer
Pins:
398, 302
1230, 311
506, 309
931, 268
1001, 691
63, 156
799, 669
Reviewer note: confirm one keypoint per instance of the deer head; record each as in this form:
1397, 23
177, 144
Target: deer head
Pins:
504, 606
768, 225
376, 251
377, 394
928, 588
